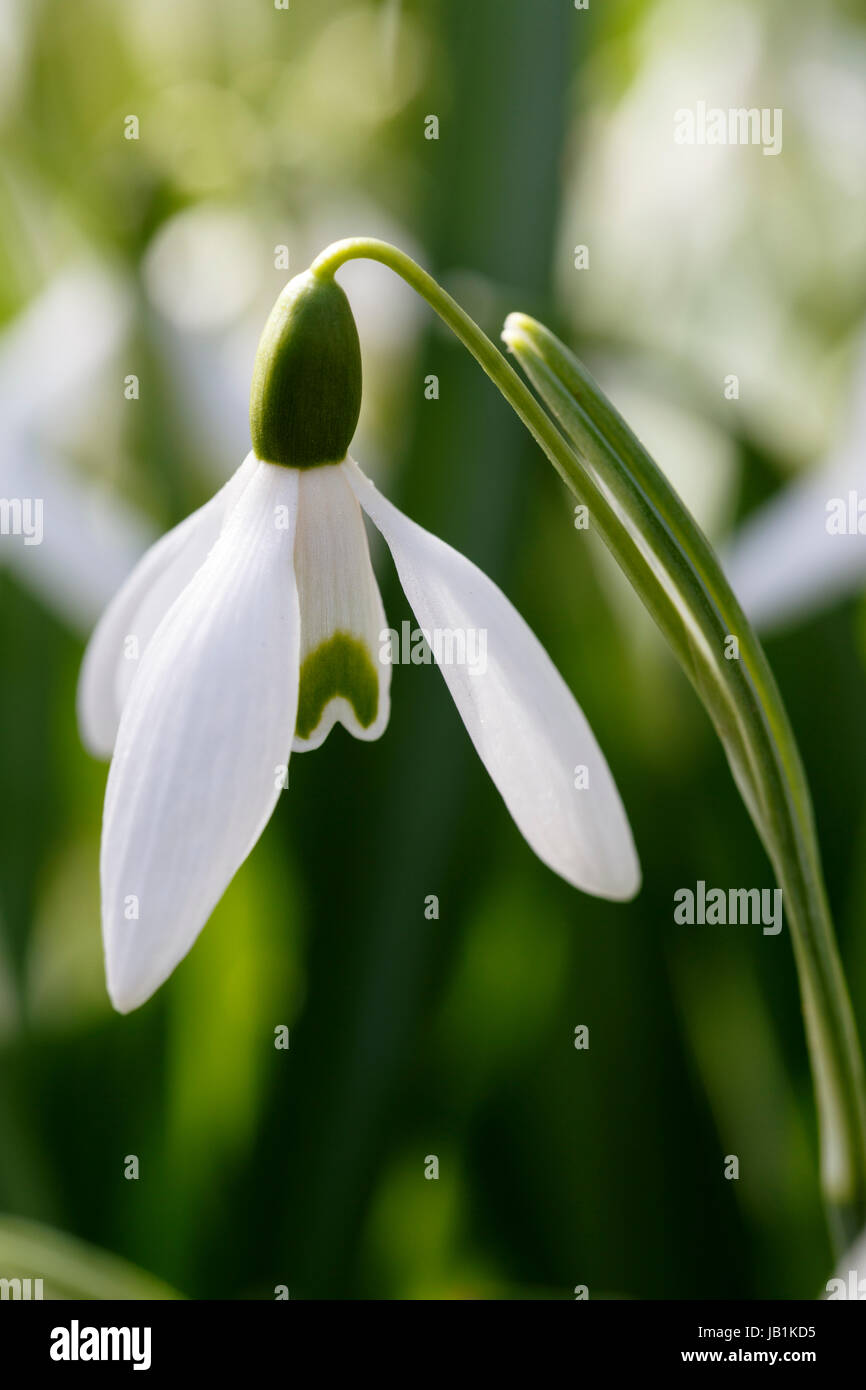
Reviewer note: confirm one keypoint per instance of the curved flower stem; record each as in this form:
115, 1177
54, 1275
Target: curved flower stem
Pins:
675, 572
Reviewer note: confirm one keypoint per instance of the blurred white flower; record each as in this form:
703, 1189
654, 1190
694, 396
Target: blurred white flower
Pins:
53, 360
849, 1276
784, 564
708, 254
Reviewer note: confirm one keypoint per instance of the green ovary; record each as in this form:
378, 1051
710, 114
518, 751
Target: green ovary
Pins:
340, 666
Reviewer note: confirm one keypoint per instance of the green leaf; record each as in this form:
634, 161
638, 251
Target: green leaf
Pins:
674, 570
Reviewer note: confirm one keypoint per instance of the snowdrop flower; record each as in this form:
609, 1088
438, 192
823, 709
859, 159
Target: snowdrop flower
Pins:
255, 625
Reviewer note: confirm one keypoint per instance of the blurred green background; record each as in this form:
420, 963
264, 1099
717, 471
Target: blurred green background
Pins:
159, 258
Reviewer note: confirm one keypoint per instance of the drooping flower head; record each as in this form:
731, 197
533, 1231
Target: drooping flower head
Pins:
255, 625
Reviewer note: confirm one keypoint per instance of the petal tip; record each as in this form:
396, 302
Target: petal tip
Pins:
124, 997
622, 881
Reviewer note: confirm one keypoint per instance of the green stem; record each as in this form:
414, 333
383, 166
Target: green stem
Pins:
675, 572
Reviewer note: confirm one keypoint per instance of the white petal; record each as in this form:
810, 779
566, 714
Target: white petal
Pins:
138, 607
525, 724
202, 742
342, 618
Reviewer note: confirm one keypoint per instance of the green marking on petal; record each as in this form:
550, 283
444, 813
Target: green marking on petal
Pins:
340, 666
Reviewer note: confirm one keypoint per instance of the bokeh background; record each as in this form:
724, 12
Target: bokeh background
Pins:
157, 258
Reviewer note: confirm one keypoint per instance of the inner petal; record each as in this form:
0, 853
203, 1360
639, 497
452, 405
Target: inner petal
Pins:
343, 628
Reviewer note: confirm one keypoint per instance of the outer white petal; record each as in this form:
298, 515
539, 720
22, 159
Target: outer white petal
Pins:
203, 736
525, 724
342, 617
137, 608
